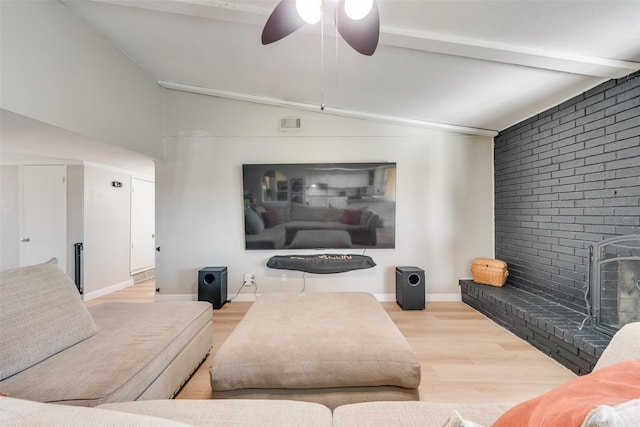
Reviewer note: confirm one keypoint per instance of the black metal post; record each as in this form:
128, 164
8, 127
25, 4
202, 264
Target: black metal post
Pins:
78, 267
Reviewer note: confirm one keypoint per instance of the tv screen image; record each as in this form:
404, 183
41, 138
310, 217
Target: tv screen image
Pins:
319, 206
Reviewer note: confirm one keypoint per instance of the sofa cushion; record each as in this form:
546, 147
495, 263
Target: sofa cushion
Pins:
41, 314
624, 414
232, 412
270, 218
415, 414
252, 222
300, 212
259, 209
569, 404
334, 214
625, 345
456, 420
283, 210
351, 217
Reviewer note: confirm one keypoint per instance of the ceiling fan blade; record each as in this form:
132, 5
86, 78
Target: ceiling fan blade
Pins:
363, 34
283, 21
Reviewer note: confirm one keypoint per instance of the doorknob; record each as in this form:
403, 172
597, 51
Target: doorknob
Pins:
25, 239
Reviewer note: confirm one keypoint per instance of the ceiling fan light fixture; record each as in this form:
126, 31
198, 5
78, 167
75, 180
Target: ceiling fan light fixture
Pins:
290, 15
309, 10
357, 9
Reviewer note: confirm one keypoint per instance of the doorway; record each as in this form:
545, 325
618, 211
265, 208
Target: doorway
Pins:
142, 225
43, 228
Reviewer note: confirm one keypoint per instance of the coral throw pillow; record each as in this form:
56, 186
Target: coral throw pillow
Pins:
270, 219
569, 404
351, 217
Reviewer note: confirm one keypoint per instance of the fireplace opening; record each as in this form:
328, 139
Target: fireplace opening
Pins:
614, 283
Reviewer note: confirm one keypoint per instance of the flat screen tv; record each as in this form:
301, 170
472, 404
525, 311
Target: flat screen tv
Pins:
319, 206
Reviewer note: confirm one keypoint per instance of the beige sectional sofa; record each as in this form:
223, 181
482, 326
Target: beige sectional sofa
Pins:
54, 349
625, 346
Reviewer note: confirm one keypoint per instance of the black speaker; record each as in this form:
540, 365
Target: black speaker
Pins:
212, 285
410, 288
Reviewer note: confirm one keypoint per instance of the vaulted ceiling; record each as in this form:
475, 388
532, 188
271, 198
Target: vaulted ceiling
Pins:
472, 65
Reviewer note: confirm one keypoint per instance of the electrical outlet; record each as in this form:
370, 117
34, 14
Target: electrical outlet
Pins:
284, 277
248, 277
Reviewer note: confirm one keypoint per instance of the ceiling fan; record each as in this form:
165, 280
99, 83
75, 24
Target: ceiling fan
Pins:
357, 21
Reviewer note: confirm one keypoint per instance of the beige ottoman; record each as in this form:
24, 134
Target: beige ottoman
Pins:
330, 348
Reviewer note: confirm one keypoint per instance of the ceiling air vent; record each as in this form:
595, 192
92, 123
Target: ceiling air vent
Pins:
289, 124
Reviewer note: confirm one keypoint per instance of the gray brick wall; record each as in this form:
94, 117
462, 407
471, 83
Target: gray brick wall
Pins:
565, 178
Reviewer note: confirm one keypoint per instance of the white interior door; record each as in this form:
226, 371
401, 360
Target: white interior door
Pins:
44, 215
143, 225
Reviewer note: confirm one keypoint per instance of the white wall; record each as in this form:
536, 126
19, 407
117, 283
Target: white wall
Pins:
57, 70
9, 217
106, 230
444, 214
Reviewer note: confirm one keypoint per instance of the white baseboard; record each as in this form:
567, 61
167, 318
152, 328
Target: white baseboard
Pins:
430, 297
444, 297
176, 297
107, 290
245, 297
194, 297
385, 297
251, 297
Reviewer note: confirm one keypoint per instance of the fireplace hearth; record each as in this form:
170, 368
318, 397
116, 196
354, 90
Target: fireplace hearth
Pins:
550, 327
575, 338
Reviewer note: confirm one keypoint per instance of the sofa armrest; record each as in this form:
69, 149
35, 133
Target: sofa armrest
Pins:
624, 345
19, 412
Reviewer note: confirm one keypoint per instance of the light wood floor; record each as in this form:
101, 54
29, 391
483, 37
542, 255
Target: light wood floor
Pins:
465, 357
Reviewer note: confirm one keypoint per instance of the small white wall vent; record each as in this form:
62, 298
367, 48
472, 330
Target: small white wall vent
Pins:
289, 124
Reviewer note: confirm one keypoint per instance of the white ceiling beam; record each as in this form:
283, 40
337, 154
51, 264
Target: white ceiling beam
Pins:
326, 109
508, 54
210, 9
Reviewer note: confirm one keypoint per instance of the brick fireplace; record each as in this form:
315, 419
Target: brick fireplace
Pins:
566, 179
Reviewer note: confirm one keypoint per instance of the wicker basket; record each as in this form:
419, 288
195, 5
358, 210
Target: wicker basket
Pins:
489, 271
